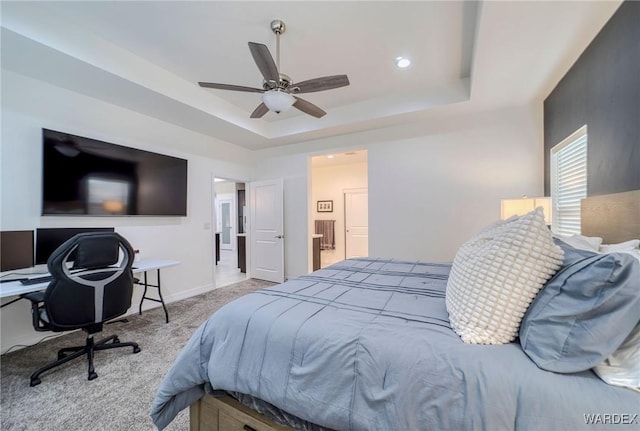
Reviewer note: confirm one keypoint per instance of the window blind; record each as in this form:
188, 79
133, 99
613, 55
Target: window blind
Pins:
569, 182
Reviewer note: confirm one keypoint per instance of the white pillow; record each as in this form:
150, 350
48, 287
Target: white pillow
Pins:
590, 243
622, 246
622, 368
496, 275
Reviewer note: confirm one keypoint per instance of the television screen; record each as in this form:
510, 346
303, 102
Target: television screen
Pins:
83, 176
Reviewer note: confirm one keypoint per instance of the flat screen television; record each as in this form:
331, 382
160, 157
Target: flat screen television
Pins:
83, 176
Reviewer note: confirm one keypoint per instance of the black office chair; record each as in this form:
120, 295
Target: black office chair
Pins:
97, 288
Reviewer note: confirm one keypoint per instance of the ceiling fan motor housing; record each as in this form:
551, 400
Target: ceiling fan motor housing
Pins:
283, 83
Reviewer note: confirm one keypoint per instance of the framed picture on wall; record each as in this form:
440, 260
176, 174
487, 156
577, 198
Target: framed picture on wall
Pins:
325, 206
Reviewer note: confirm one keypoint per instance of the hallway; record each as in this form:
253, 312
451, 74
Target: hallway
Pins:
227, 271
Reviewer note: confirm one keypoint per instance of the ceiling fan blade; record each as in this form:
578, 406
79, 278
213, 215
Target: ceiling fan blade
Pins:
264, 61
260, 111
308, 108
321, 84
230, 87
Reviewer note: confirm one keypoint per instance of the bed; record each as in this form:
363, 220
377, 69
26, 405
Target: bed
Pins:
367, 344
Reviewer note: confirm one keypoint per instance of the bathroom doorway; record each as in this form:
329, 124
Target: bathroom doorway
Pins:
229, 233
339, 183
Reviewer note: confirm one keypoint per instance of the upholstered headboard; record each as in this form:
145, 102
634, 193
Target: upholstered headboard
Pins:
614, 217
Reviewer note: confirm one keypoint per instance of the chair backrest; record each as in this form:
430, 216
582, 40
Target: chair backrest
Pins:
97, 288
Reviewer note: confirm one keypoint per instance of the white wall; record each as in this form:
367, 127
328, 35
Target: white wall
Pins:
428, 195
329, 183
428, 192
29, 105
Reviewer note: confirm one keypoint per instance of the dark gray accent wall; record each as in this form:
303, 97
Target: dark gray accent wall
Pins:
602, 90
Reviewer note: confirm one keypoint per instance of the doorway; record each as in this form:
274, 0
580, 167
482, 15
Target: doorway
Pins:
229, 209
338, 207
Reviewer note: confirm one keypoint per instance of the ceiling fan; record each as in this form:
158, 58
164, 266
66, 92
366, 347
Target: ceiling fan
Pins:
279, 91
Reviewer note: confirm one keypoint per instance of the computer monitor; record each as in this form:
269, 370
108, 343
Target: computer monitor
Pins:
49, 239
16, 249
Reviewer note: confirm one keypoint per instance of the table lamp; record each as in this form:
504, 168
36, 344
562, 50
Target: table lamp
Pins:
523, 205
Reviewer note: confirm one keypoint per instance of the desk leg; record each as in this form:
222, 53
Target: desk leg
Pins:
144, 294
164, 307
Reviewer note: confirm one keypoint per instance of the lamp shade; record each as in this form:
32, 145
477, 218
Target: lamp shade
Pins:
521, 206
278, 101
113, 206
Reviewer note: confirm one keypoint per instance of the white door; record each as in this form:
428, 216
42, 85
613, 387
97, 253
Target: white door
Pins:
266, 230
226, 218
356, 215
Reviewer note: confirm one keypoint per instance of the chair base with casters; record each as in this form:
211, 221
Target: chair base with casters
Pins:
88, 349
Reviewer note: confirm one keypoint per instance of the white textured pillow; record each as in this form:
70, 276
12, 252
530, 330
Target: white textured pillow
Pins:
496, 275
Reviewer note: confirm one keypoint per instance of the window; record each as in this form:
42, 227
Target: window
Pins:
569, 181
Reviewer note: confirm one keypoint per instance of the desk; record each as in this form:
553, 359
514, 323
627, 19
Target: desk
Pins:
15, 288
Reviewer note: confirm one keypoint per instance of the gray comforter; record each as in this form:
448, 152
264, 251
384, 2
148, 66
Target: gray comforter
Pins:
366, 345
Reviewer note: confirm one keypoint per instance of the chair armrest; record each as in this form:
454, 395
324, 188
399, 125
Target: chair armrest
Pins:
35, 297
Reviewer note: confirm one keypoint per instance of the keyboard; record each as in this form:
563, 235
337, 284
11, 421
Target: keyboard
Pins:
36, 280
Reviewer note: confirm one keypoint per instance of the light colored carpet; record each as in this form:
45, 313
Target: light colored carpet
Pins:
120, 398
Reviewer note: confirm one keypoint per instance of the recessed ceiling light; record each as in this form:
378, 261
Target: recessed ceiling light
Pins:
330, 156
402, 62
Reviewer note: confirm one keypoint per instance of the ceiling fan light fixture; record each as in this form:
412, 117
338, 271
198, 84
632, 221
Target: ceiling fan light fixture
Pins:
278, 101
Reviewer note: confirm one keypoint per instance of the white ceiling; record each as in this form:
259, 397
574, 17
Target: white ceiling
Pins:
339, 158
149, 55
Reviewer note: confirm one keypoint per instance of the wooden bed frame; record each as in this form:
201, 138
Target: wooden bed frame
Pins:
614, 217
226, 414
